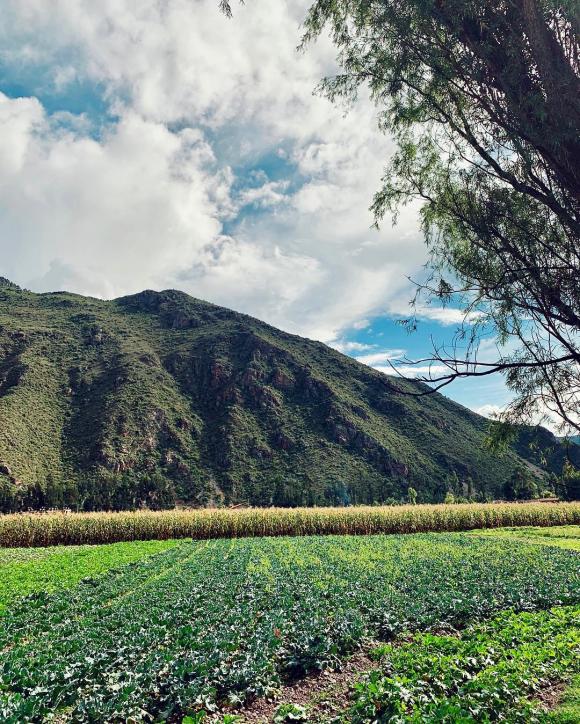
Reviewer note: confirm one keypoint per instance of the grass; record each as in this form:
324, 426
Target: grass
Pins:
563, 536
568, 710
214, 623
27, 570
28, 530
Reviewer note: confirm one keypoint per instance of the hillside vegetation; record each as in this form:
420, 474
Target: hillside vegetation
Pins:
159, 398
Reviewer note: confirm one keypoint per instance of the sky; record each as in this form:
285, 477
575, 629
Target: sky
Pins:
157, 144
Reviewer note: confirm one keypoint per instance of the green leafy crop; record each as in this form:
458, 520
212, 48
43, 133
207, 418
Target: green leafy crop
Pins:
212, 624
492, 672
26, 570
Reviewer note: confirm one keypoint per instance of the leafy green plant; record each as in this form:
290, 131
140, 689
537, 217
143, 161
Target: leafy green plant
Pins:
219, 622
26, 570
290, 712
196, 718
492, 672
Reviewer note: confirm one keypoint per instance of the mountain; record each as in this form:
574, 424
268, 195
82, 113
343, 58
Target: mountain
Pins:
158, 398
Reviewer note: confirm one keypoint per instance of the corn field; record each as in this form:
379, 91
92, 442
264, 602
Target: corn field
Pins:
65, 528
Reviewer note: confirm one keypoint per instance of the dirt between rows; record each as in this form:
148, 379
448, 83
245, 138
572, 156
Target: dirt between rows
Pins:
321, 693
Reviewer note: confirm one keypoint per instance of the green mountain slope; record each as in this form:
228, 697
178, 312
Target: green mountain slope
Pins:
159, 397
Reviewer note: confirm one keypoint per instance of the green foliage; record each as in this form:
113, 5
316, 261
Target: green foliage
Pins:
482, 102
219, 622
290, 712
520, 485
569, 484
562, 536
492, 672
24, 571
159, 398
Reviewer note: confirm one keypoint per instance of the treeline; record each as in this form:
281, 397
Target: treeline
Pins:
154, 491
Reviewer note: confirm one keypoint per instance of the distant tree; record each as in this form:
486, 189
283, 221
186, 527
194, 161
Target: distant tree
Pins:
453, 484
520, 485
6, 495
412, 496
338, 494
155, 491
387, 501
569, 484
449, 498
483, 101
470, 487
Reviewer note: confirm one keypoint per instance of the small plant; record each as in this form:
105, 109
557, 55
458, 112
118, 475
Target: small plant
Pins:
290, 712
196, 718
211, 623
493, 672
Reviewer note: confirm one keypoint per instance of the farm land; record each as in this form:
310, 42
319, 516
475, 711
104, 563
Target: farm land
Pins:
455, 627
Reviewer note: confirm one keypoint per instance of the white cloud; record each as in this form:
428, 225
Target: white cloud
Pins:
490, 411
181, 61
414, 371
251, 279
154, 201
347, 347
447, 316
543, 416
381, 358
443, 315
267, 195
102, 216
19, 118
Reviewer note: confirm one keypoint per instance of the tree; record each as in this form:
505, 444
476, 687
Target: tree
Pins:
453, 484
470, 487
338, 494
483, 100
569, 484
412, 496
520, 485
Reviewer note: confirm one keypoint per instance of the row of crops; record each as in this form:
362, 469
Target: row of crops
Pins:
495, 671
215, 623
25, 570
58, 528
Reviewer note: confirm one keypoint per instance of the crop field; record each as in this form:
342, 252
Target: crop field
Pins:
25, 570
209, 626
50, 529
491, 672
563, 536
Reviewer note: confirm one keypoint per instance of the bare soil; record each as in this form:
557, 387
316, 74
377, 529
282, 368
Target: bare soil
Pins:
322, 693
